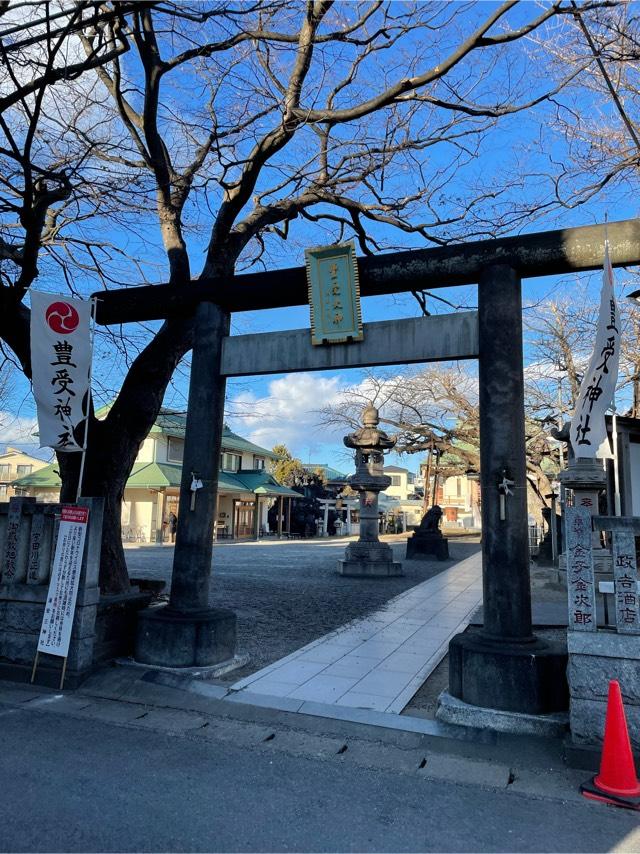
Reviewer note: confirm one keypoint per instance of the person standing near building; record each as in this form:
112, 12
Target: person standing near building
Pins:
173, 526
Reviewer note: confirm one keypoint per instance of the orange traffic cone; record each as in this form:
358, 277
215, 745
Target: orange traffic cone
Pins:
616, 783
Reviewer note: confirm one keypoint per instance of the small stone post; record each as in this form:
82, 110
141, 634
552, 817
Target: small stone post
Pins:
586, 477
368, 557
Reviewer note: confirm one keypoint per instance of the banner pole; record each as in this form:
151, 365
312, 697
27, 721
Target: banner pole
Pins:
35, 665
616, 472
86, 420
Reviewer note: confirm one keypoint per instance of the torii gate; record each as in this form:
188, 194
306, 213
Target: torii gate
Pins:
503, 665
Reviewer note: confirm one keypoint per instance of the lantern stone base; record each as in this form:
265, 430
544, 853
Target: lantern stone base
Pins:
594, 659
369, 560
527, 677
185, 639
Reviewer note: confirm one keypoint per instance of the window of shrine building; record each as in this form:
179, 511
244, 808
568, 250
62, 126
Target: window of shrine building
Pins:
230, 462
258, 462
175, 450
23, 471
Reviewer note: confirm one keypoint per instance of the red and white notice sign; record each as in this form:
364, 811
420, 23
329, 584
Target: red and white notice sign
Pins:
55, 633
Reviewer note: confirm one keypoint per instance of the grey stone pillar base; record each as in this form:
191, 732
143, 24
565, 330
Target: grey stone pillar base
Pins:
427, 544
369, 560
594, 659
453, 711
172, 638
528, 677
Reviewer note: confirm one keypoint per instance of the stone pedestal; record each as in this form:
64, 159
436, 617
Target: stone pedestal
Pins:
594, 659
428, 539
173, 638
517, 677
369, 560
427, 544
586, 477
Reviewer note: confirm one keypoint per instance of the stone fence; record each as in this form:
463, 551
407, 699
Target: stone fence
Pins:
102, 627
597, 655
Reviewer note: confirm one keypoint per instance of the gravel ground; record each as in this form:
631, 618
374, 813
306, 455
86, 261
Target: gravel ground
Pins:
286, 594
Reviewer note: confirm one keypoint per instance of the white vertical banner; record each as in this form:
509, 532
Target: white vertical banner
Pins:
57, 622
588, 426
61, 365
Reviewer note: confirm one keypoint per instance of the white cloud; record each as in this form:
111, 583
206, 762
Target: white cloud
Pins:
288, 413
17, 432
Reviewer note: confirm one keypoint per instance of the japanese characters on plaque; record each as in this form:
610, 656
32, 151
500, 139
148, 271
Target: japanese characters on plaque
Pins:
55, 633
10, 562
35, 549
588, 426
334, 294
61, 360
580, 576
625, 577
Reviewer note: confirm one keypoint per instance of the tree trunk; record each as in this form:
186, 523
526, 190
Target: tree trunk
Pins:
107, 467
114, 443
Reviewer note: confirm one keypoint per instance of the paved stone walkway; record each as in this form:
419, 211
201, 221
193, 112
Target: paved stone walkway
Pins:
379, 662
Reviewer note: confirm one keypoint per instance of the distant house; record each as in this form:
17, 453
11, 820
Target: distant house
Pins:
402, 482
245, 489
15, 464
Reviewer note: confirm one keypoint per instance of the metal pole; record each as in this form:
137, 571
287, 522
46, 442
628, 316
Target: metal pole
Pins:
554, 530
616, 470
86, 420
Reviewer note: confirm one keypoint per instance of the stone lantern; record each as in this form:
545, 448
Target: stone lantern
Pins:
368, 557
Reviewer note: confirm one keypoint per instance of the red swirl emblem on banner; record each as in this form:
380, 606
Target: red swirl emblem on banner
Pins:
62, 317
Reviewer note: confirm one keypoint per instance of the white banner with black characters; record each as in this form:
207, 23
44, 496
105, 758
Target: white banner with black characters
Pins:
60, 364
588, 425
55, 633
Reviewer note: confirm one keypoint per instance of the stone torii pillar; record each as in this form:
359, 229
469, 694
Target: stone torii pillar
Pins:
188, 632
503, 665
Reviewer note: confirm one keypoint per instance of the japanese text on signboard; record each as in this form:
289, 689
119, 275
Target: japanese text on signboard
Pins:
55, 633
625, 577
580, 577
334, 294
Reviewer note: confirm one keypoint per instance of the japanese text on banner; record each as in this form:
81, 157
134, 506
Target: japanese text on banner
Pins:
61, 362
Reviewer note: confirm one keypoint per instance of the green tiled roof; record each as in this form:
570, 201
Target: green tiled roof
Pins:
328, 472
163, 475
264, 483
173, 423
46, 478
154, 476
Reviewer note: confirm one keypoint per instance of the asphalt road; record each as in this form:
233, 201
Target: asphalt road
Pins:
83, 785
